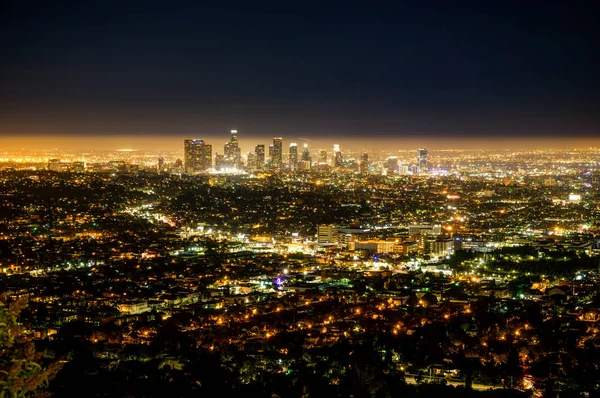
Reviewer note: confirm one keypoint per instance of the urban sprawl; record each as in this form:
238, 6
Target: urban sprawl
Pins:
306, 272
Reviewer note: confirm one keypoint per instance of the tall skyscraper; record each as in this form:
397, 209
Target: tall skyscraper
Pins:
260, 156
251, 164
306, 153
276, 152
322, 156
364, 163
233, 154
293, 156
220, 163
422, 165
337, 156
197, 156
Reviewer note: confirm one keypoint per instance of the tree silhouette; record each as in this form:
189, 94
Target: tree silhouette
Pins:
20, 373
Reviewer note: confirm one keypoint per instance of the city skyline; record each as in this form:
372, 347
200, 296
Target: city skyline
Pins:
247, 142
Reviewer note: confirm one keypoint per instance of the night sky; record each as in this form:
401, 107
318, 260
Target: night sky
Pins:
395, 69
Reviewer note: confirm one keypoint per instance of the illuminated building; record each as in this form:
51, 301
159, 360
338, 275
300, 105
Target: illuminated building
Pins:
422, 165
58, 165
251, 160
392, 164
337, 156
364, 162
374, 246
327, 234
416, 229
293, 156
197, 156
306, 154
161, 164
78, 167
304, 165
275, 153
574, 197
233, 157
55, 165
323, 156
442, 247
260, 156
220, 163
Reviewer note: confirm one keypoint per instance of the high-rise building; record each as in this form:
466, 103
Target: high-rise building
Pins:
337, 156
293, 156
304, 165
197, 156
220, 163
392, 164
322, 156
327, 234
422, 165
364, 162
251, 164
306, 153
260, 156
233, 154
276, 152
161, 165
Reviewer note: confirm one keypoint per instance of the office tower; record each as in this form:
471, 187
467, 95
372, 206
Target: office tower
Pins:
233, 154
275, 153
327, 234
322, 156
251, 164
304, 165
55, 165
78, 167
306, 153
197, 156
392, 164
422, 165
271, 154
161, 165
337, 156
220, 163
260, 156
293, 156
364, 162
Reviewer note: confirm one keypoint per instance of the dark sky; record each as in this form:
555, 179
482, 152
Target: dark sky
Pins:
306, 68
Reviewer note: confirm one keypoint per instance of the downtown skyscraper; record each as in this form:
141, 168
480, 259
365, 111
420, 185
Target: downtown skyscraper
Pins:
422, 163
259, 150
276, 153
233, 155
197, 156
293, 157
